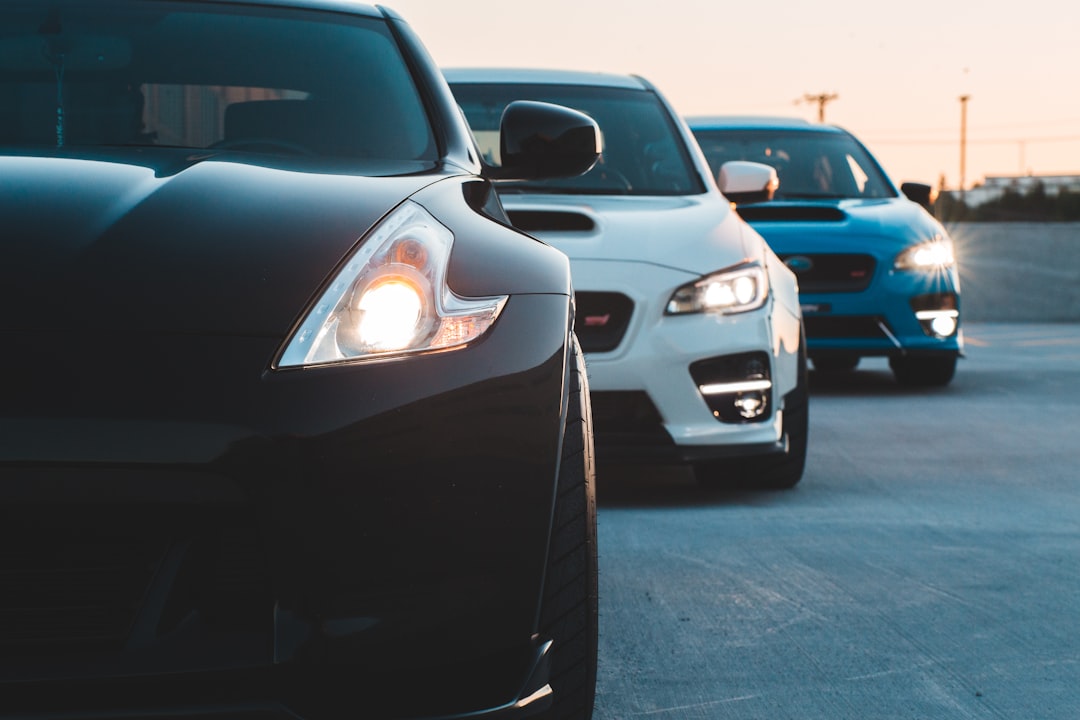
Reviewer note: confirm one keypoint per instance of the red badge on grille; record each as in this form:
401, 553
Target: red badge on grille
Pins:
597, 320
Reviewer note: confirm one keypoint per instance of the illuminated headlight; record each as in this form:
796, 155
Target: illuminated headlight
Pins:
726, 292
391, 298
930, 255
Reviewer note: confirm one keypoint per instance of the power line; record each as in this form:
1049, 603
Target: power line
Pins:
987, 141
1010, 126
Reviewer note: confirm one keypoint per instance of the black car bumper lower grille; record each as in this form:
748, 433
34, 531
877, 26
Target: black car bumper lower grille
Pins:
98, 579
864, 327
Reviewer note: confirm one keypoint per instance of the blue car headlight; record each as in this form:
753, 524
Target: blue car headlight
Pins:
936, 254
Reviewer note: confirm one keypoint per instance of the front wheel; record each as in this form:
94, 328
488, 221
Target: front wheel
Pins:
569, 614
924, 371
786, 471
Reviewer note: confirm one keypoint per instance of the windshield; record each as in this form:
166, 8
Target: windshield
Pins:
642, 152
202, 75
809, 164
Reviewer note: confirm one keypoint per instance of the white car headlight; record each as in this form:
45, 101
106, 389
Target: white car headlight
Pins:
730, 291
933, 254
391, 298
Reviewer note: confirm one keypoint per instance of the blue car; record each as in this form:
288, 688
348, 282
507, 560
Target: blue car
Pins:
877, 273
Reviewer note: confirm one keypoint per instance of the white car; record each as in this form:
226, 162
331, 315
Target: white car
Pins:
691, 325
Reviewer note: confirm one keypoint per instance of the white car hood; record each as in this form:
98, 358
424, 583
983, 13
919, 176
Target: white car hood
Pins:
694, 234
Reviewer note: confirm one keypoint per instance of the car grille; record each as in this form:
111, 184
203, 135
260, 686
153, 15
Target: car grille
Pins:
831, 273
845, 326
91, 578
601, 319
66, 591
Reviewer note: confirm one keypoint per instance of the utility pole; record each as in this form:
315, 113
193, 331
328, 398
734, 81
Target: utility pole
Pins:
821, 100
963, 141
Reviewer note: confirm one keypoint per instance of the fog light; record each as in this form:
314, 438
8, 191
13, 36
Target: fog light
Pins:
944, 325
751, 405
736, 388
750, 398
939, 323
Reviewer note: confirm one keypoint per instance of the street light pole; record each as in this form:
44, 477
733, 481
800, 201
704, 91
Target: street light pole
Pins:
963, 142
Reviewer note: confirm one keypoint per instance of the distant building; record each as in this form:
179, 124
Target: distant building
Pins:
994, 186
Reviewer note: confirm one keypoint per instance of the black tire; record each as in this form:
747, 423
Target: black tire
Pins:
785, 472
772, 472
570, 606
836, 363
932, 371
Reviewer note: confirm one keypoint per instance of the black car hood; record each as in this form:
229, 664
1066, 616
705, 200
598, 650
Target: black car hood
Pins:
154, 241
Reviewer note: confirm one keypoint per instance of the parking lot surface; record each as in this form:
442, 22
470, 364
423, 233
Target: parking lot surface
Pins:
928, 565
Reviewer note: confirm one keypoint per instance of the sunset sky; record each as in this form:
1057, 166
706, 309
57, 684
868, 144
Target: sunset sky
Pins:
897, 69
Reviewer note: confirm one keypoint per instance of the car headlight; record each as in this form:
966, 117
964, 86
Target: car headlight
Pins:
391, 298
933, 254
735, 290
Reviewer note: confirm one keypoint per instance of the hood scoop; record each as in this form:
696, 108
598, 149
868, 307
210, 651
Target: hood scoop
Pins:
790, 213
550, 220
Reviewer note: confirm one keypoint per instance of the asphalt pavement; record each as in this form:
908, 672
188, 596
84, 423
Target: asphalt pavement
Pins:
928, 565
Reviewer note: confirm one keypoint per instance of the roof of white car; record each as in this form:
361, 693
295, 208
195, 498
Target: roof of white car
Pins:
535, 75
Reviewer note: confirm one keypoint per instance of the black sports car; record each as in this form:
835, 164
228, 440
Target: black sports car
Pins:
292, 422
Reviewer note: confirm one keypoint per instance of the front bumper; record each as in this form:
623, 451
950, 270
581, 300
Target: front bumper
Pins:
883, 319
256, 695
646, 403
188, 532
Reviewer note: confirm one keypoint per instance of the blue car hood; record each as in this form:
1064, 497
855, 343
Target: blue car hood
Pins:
881, 227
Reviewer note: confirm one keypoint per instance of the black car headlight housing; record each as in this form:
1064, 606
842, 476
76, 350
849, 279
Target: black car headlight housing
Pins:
932, 255
391, 299
735, 290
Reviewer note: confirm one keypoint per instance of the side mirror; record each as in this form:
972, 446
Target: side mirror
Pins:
747, 182
920, 193
539, 140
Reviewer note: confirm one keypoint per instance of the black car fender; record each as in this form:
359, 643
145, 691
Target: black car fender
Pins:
490, 259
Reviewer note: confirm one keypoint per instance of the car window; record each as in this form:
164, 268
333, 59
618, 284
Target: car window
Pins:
642, 153
809, 164
120, 72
